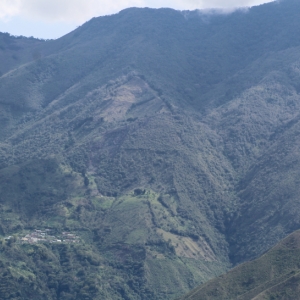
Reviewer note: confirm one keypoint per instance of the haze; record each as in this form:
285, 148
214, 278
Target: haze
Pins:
54, 18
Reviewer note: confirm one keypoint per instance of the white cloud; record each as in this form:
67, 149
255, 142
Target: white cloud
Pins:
78, 11
62, 10
73, 10
9, 8
222, 3
203, 4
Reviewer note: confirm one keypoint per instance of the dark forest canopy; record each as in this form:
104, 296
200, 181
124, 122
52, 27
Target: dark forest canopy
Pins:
166, 140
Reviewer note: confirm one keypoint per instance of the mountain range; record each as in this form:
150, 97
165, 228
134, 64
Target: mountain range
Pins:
168, 141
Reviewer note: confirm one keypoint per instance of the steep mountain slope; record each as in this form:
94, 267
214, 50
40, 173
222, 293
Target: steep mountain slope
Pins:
166, 140
17, 51
262, 124
275, 275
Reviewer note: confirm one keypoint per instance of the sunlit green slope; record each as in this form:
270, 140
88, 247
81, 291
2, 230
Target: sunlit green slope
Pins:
275, 275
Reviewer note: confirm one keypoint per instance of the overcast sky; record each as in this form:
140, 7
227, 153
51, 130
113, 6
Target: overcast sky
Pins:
54, 18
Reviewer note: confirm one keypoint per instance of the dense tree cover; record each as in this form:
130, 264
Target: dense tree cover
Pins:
166, 140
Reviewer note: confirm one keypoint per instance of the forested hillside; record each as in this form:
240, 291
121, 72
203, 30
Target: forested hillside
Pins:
166, 140
275, 275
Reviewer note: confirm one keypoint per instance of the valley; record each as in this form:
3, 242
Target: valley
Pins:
165, 141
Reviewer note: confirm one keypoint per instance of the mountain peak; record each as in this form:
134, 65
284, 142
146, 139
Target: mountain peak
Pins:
169, 145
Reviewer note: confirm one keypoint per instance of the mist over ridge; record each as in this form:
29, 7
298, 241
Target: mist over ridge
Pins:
52, 19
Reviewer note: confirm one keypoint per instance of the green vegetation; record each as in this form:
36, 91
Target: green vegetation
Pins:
125, 240
167, 141
275, 275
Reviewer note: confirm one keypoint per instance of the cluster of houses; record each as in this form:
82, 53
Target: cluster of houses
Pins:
46, 236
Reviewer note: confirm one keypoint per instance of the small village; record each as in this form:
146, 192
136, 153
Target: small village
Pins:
47, 236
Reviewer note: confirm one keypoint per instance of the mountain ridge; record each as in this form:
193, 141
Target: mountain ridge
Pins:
274, 275
168, 144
